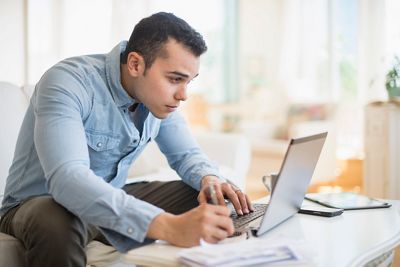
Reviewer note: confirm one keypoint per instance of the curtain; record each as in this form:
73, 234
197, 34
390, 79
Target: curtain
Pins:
59, 29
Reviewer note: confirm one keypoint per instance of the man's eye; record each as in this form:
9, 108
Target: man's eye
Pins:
175, 79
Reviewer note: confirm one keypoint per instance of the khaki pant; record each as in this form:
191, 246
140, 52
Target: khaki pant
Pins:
53, 236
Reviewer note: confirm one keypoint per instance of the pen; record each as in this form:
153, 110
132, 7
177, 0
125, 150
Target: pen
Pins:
213, 194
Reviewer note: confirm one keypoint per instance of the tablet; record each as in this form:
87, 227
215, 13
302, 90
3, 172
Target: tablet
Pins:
346, 201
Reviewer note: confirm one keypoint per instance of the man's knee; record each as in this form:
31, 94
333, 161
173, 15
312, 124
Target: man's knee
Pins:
44, 219
174, 196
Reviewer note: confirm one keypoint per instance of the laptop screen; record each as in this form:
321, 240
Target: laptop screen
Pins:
293, 179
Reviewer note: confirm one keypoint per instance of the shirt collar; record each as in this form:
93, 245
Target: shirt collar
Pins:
113, 74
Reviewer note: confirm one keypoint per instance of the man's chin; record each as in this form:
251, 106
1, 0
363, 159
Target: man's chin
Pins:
160, 115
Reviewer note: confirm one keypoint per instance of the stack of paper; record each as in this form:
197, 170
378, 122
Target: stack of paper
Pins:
160, 254
244, 253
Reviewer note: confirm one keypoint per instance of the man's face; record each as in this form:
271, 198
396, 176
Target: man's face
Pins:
163, 86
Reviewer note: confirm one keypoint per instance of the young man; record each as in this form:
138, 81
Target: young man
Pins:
88, 120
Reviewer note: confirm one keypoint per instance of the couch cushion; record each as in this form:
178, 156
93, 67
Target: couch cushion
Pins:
12, 109
232, 153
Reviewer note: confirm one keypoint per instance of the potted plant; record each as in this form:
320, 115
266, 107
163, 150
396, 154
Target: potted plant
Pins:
393, 80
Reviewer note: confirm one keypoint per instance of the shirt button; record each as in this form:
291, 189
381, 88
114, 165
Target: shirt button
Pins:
99, 144
130, 230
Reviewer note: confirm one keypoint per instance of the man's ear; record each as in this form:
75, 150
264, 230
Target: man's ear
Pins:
135, 64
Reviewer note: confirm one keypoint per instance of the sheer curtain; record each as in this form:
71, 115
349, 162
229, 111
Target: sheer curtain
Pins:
317, 51
304, 54
12, 40
61, 28
272, 54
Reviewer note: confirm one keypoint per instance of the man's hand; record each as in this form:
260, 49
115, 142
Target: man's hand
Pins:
208, 222
240, 200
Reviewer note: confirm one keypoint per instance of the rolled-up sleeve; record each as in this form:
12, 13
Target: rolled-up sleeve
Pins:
183, 152
61, 104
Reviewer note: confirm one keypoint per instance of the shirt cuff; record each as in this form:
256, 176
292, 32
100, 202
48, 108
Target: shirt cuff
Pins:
131, 230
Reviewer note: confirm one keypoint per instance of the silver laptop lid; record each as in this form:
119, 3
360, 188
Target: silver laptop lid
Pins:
293, 179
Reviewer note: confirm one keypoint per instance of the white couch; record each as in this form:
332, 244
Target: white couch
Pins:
231, 152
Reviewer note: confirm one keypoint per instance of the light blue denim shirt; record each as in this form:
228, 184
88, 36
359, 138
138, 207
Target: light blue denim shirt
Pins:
78, 140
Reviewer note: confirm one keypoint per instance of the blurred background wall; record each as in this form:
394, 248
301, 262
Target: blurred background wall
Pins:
274, 69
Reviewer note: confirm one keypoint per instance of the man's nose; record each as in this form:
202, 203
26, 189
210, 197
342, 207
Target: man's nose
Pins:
181, 93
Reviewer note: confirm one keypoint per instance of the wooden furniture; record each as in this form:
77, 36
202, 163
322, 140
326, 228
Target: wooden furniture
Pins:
382, 149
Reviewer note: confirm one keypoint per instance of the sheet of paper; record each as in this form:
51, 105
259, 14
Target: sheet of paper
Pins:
241, 253
279, 251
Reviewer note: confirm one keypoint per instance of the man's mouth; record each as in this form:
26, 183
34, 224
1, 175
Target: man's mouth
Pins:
172, 108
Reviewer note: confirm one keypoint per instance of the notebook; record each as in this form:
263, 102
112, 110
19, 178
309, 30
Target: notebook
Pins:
290, 188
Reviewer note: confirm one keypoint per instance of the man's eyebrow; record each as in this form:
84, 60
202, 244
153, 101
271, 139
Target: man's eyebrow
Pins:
181, 74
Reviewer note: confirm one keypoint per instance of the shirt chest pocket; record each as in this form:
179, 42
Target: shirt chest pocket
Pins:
103, 150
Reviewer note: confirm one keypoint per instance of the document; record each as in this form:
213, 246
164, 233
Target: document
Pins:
243, 253
236, 251
162, 254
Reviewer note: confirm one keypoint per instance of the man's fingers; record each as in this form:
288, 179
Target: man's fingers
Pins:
240, 200
215, 234
202, 198
249, 204
227, 225
234, 200
220, 234
221, 210
243, 201
222, 218
222, 228
211, 239
220, 196
217, 225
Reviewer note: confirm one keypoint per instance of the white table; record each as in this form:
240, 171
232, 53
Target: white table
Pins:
354, 238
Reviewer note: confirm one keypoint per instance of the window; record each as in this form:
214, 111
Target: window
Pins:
61, 29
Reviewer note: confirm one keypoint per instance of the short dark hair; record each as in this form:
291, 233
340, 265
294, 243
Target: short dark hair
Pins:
151, 33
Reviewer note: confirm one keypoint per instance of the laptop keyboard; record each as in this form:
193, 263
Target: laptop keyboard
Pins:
241, 221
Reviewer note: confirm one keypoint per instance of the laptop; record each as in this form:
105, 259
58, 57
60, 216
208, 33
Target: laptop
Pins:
289, 188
